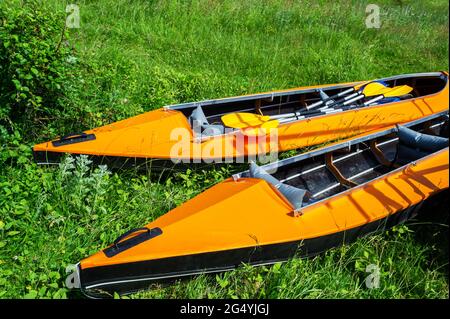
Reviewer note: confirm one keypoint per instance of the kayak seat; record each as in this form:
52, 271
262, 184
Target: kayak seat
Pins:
201, 126
413, 145
296, 196
212, 129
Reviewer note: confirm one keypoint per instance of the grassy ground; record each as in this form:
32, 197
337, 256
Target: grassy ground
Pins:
137, 56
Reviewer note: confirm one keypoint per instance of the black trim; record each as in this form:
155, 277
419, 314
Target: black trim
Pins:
73, 138
152, 165
141, 275
120, 246
162, 164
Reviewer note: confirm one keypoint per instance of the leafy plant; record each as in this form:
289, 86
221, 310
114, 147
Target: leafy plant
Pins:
36, 64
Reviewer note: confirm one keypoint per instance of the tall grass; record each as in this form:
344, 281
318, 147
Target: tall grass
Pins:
136, 56
150, 53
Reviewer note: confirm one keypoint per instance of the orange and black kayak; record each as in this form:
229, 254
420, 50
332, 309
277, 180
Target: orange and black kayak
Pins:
167, 135
299, 206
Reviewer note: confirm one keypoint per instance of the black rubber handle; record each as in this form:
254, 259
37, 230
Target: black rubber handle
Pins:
72, 135
128, 233
121, 244
73, 138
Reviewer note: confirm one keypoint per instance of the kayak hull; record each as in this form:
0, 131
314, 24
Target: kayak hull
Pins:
101, 282
248, 220
166, 137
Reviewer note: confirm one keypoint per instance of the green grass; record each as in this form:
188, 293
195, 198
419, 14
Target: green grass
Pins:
139, 55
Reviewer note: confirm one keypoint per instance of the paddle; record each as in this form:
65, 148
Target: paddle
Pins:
243, 120
371, 89
401, 90
348, 91
382, 93
389, 92
261, 129
257, 130
386, 92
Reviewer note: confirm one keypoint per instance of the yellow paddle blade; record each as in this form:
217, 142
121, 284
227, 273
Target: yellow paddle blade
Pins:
374, 88
270, 124
398, 91
241, 120
254, 131
357, 87
262, 129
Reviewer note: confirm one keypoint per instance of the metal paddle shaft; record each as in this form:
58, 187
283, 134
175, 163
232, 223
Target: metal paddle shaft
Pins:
315, 113
388, 92
318, 103
298, 114
371, 89
243, 120
272, 123
367, 88
381, 93
374, 89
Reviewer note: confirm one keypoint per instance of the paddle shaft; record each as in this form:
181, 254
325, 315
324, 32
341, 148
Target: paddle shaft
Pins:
314, 113
331, 98
327, 110
249, 119
376, 99
301, 113
399, 90
345, 101
318, 103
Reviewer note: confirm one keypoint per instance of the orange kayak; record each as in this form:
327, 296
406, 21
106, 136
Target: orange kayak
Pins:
166, 136
298, 206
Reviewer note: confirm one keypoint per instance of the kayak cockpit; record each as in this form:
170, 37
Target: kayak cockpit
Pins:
333, 170
291, 101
